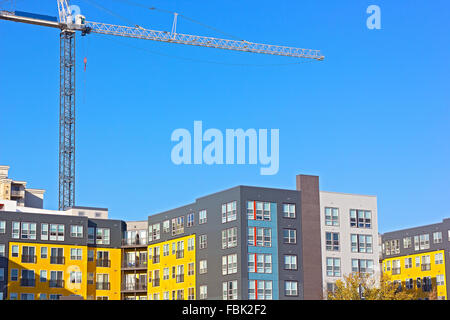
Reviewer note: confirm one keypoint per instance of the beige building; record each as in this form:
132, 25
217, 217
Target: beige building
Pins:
17, 191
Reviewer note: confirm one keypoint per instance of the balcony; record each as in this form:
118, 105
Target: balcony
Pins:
180, 254
134, 264
103, 286
57, 260
131, 287
104, 263
56, 283
134, 242
426, 266
18, 193
396, 270
28, 259
27, 282
156, 282
180, 278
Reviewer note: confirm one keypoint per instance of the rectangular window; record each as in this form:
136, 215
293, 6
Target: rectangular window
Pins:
440, 280
91, 235
15, 230
437, 237
203, 266
203, 241
191, 244
76, 254
362, 266
190, 220
291, 288
229, 290
56, 232
290, 262
229, 212
178, 225
259, 237
75, 277
407, 242
2, 227
333, 267
202, 217
257, 210
438, 258
44, 252
229, 264
424, 241
76, 231
290, 236
102, 236
14, 251
259, 263
14, 274
28, 231
332, 241
166, 226
2, 250
2, 274
360, 218
361, 243
331, 216
289, 210
408, 263
260, 290
229, 238
203, 292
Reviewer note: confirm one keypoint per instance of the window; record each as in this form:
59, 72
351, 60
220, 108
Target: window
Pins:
290, 262
331, 216
2, 250
333, 267
289, 236
203, 292
289, 210
180, 249
190, 220
229, 264
259, 290
191, 244
259, 237
409, 283
424, 241
407, 242
416, 243
90, 278
2, 274
203, 241
154, 232
13, 296
408, 263
76, 231
438, 258
417, 262
362, 266
2, 227
102, 236
440, 281
14, 274
191, 295
15, 230
26, 296
203, 266
27, 278
28, 231
202, 217
76, 254
177, 225
260, 263
57, 232
75, 277
437, 237
360, 218
332, 241
361, 243
396, 269
14, 251
166, 226
229, 290
90, 255
28, 254
166, 274
57, 256
229, 238
229, 212
257, 210
291, 288
180, 274
392, 247
91, 235
44, 252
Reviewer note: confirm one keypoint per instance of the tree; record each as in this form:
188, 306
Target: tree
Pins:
358, 286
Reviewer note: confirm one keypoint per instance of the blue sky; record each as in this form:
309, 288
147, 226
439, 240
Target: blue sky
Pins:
372, 118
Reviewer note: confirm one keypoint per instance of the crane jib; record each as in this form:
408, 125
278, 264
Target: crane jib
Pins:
35, 16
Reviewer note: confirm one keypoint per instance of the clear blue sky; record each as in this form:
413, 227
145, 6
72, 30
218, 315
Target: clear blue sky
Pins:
373, 118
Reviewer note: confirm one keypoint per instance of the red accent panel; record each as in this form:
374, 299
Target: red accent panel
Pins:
254, 210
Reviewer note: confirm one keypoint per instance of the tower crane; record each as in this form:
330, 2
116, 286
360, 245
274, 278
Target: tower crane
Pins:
69, 24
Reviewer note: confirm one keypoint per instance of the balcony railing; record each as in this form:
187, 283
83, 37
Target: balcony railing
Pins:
156, 282
180, 278
396, 270
155, 259
180, 254
104, 263
425, 266
57, 260
17, 193
27, 282
134, 264
56, 283
138, 286
103, 285
28, 259
134, 242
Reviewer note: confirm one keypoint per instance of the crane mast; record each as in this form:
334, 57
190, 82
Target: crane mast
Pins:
69, 25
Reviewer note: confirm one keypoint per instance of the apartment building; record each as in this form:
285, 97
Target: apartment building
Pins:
49, 256
418, 258
349, 237
17, 191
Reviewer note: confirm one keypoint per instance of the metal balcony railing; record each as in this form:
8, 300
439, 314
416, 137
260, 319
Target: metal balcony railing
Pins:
134, 264
156, 282
396, 270
103, 286
180, 254
28, 259
155, 259
425, 266
180, 278
27, 282
138, 286
134, 242
57, 260
56, 283
104, 263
